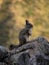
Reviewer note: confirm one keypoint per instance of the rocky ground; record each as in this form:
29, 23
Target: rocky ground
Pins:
35, 52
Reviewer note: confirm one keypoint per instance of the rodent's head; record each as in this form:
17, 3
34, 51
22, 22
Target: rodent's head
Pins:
28, 25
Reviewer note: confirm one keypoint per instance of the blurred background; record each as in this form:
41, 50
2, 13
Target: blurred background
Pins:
13, 14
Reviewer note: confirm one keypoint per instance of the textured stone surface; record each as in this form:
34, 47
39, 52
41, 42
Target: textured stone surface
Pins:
35, 52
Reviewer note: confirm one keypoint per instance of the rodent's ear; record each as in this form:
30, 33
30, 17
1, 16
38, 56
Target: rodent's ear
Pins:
26, 22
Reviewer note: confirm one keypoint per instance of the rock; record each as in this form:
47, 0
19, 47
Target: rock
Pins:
20, 59
35, 52
42, 60
43, 45
23, 48
39, 45
32, 60
39, 60
3, 53
2, 63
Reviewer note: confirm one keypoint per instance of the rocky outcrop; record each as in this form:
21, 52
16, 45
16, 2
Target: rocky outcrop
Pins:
35, 52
